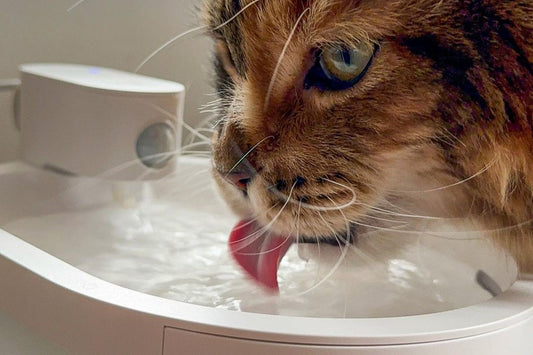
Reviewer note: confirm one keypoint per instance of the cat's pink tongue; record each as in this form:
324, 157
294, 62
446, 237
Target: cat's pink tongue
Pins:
259, 254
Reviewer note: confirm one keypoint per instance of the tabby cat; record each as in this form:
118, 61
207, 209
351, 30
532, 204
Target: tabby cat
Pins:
337, 116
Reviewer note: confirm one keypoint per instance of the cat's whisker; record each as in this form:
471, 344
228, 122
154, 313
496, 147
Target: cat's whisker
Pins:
197, 153
163, 155
261, 230
444, 138
213, 107
245, 155
205, 130
454, 137
511, 227
220, 117
308, 206
364, 254
204, 148
121, 167
406, 215
374, 233
298, 214
166, 44
296, 236
236, 15
269, 224
196, 133
280, 59
383, 219
218, 122
279, 246
344, 252
93, 181
183, 123
340, 239
161, 110
484, 169
448, 235
399, 208
246, 224
210, 110
352, 191
187, 147
215, 102
184, 181
75, 5
248, 240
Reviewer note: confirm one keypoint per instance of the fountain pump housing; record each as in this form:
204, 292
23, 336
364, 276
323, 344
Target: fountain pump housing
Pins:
93, 121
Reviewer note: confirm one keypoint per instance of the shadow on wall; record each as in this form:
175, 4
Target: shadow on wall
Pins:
117, 34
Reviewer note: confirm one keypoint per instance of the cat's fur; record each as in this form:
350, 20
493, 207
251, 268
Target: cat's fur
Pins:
447, 98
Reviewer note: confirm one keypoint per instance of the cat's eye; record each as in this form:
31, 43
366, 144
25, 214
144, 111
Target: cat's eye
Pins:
225, 58
339, 68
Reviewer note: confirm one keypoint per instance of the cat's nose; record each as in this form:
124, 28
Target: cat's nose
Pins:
239, 179
240, 175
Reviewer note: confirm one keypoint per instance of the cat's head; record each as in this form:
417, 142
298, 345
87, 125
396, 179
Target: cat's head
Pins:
333, 112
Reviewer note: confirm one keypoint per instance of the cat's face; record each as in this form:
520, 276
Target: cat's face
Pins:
334, 113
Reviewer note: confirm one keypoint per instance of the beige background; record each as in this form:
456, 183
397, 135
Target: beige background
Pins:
112, 33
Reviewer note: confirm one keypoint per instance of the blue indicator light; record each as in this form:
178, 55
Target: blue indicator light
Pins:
95, 70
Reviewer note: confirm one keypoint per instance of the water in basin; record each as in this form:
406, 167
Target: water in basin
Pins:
169, 239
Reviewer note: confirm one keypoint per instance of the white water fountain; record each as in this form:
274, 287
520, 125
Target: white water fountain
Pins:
105, 250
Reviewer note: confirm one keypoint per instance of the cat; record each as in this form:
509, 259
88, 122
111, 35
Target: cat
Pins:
338, 116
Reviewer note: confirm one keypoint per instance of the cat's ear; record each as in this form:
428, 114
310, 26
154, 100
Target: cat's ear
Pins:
224, 55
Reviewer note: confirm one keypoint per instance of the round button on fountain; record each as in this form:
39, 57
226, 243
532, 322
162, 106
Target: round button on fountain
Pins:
156, 144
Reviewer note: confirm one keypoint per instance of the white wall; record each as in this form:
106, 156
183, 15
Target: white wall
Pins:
112, 33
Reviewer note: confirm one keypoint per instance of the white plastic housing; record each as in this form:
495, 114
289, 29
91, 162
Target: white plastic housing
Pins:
87, 315
87, 120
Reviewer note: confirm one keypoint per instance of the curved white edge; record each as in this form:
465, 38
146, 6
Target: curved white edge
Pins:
91, 77
509, 308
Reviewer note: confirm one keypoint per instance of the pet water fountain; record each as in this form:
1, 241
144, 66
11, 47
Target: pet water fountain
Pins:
111, 245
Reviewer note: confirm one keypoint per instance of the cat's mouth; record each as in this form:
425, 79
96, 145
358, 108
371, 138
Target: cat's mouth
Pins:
259, 251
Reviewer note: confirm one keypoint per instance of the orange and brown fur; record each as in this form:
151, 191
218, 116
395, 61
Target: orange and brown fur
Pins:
446, 99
